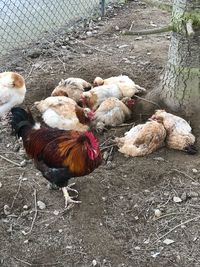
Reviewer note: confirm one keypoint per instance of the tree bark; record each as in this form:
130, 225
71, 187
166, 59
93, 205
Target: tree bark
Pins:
180, 86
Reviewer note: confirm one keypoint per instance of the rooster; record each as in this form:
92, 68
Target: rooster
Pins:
64, 113
12, 91
126, 85
97, 95
142, 139
112, 112
71, 87
58, 154
179, 134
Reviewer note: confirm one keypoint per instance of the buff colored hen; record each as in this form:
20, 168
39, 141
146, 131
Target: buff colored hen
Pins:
142, 139
112, 112
71, 87
179, 134
63, 113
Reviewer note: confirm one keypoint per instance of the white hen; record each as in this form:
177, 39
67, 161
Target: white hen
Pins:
97, 95
126, 85
12, 91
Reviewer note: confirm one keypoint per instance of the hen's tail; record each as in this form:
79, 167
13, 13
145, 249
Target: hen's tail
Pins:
21, 120
191, 149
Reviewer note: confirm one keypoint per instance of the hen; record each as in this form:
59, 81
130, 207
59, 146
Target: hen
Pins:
97, 95
58, 154
71, 87
12, 91
112, 112
126, 85
64, 113
179, 134
142, 139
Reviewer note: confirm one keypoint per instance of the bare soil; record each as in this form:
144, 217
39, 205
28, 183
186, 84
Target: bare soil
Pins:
115, 225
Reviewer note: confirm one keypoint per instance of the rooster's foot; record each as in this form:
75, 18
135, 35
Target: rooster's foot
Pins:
71, 189
68, 200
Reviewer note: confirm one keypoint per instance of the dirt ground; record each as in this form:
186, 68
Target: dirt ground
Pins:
115, 225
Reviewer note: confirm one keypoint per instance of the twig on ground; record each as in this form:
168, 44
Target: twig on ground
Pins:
131, 25
10, 161
20, 183
31, 70
146, 100
94, 48
166, 215
105, 147
23, 261
186, 175
124, 125
175, 227
62, 63
35, 215
163, 29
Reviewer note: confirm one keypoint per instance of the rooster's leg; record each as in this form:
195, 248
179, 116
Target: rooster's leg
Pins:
67, 197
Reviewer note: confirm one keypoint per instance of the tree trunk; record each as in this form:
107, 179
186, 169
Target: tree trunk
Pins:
180, 86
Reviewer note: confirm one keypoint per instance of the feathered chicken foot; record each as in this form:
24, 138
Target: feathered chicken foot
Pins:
68, 199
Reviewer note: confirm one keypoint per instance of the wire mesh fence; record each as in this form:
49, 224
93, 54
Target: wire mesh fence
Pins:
23, 21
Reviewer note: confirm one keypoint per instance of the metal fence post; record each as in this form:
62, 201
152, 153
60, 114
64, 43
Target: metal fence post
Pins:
102, 4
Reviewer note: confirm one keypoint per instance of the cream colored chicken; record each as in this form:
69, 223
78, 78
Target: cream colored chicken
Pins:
12, 91
97, 95
179, 134
112, 112
142, 139
71, 87
126, 85
64, 113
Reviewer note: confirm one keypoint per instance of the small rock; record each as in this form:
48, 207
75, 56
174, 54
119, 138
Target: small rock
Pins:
123, 46
26, 241
137, 248
23, 163
177, 199
94, 31
153, 24
6, 209
60, 230
56, 212
193, 194
194, 170
184, 196
117, 28
159, 159
89, 33
94, 262
34, 54
168, 241
41, 205
19, 69
157, 213
1, 184
25, 207
138, 38
89, 52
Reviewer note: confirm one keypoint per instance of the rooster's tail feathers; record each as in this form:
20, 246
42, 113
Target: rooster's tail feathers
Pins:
20, 119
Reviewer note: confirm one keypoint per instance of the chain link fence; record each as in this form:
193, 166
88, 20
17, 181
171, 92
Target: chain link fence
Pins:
24, 21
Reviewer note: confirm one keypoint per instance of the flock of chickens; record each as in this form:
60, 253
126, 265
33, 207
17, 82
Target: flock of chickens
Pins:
64, 147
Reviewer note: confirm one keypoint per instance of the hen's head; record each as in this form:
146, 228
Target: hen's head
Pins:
89, 113
158, 115
98, 81
129, 102
13, 81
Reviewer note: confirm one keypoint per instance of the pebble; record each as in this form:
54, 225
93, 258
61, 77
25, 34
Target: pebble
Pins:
177, 199
194, 170
23, 163
168, 241
6, 209
123, 46
157, 213
1, 184
94, 262
25, 207
184, 196
89, 33
41, 205
117, 28
138, 38
159, 159
56, 212
193, 194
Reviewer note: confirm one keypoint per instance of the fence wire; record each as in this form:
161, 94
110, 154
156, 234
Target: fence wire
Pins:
23, 21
